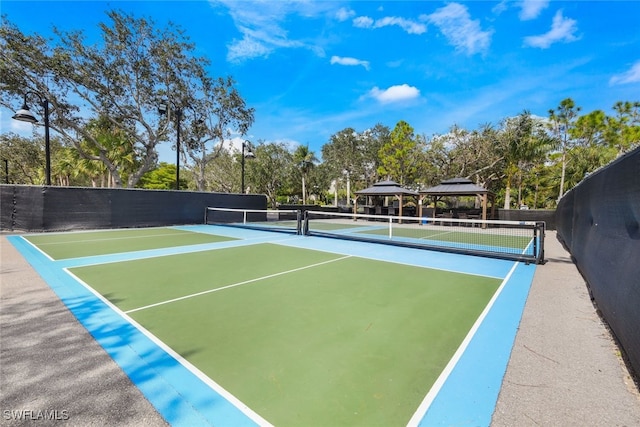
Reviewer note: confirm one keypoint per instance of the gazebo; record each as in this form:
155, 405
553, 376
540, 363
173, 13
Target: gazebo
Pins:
385, 188
459, 187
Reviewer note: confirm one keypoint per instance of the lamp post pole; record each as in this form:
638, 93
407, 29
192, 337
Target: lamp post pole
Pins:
242, 185
6, 170
162, 109
178, 118
249, 154
47, 145
25, 115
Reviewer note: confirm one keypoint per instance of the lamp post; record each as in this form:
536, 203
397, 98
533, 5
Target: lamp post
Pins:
25, 115
246, 145
6, 170
162, 109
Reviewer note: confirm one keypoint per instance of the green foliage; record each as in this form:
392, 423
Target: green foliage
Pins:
121, 79
305, 160
24, 160
161, 178
270, 171
398, 156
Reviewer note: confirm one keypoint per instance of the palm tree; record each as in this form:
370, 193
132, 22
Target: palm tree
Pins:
304, 160
524, 142
560, 121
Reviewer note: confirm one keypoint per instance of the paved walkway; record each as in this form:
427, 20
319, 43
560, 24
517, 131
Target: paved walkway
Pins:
49, 362
565, 369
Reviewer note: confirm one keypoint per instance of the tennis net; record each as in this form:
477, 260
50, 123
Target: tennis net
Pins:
287, 221
521, 241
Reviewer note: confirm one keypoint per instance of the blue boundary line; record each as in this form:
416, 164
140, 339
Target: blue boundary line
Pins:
179, 396
467, 398
470, 394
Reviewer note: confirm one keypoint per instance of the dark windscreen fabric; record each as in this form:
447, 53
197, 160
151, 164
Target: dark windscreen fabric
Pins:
75, 208
21, 207
599, 223
27, 208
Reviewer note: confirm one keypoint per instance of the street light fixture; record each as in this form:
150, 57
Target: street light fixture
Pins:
247, 153
25, 115
163, 107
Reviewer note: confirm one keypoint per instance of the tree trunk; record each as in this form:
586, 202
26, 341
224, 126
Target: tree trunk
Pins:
304, 191
564, 167
507, 197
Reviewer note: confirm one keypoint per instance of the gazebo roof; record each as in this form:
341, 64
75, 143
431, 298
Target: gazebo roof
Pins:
455, 187
386, 188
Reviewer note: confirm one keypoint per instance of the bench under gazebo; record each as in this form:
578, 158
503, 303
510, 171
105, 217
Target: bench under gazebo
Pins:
384, 189
457, 187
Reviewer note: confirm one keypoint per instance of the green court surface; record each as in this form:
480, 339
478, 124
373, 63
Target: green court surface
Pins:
489, 237
82, 244
303, 337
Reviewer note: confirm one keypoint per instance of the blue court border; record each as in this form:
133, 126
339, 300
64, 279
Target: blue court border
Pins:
467, 398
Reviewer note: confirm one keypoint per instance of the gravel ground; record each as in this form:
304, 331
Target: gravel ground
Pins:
565, 369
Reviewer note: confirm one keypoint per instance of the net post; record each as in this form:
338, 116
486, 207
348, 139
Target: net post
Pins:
541, 228
206, 211
390, 227
305, 225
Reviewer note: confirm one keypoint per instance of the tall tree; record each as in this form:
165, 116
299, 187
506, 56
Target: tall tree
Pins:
123, 79
215, 114
623, 130
561, 120
343, 155
398, 156
24, 159
523, 143
305, 160
373, 140
269, 171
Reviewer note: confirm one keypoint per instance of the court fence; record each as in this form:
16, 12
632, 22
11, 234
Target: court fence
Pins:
35, 208
598, 222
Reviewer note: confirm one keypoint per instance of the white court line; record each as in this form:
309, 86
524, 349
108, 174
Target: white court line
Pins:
234, 285
252, 415
109, 239
46, 255
437, 386
442, 233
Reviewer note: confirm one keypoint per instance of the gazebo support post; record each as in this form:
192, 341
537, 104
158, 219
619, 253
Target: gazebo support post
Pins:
355, 208
484, 209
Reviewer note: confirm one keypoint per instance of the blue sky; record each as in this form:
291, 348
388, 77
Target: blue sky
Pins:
313, 68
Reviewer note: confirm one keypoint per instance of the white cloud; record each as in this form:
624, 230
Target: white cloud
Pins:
530, 9
262, 25
500, 7
562, 30
343, 14
630, 76
363, 22
407, 25
396, 93
349, 61
461, 31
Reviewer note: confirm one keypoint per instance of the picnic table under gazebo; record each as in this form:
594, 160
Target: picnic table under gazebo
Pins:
456, 187
384, 189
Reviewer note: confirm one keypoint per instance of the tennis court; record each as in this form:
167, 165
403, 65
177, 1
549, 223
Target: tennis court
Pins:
234, 326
